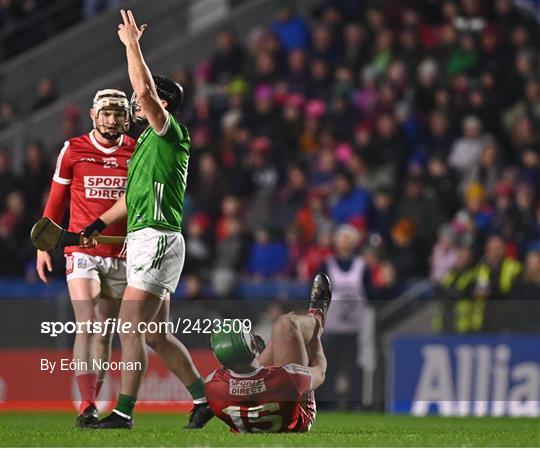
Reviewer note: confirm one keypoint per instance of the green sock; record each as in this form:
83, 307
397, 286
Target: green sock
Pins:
125, 404
196, 389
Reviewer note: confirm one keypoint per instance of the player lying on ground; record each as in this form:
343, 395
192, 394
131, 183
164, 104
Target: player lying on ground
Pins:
273, 391
90, 175
155, 247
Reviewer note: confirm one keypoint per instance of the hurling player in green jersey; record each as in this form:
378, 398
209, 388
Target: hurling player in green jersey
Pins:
155, 247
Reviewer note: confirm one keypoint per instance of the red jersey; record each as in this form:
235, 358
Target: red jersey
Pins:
97, 177
267, 399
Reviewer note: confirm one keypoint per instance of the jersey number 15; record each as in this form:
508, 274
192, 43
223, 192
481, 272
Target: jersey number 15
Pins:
255, 415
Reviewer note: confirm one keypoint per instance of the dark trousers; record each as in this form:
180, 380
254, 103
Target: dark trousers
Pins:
341, 352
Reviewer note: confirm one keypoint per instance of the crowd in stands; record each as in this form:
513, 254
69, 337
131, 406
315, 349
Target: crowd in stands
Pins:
416, 122
26, 23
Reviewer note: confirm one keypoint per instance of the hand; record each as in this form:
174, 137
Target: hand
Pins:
43, 260
87, 242
128, 32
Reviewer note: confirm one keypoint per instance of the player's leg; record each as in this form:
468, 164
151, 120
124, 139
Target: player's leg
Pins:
105, 308
138, 308
177, 358
173, 353
295, 338
113, 284
83, 292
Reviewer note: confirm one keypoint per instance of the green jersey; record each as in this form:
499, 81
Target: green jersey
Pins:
157, 176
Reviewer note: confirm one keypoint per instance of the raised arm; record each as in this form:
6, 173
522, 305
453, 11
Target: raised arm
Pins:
139, 73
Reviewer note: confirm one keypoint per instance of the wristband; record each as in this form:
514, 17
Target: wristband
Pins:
96, 227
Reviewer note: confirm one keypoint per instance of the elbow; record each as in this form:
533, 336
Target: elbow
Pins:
144, 93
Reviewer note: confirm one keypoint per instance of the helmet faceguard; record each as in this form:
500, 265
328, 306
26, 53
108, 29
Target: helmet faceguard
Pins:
168, 90
111, 100
134, 108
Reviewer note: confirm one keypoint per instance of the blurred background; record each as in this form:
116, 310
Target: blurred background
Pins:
402, 135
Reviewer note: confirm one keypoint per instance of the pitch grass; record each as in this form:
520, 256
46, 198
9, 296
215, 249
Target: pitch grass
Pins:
330, 430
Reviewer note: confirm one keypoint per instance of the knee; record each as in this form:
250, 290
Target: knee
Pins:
287, 323
129, 338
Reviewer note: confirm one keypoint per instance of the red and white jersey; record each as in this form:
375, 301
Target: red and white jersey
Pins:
97, 177
269, 399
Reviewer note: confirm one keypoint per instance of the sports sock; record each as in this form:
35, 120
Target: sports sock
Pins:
318, 314
125, 404
196, 389
87, 384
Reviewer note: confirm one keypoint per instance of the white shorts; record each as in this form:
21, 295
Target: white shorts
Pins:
155, 259
109, 272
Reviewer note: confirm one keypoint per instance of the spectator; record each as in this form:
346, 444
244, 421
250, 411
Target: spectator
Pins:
14, 243
291, 123
259, 181
478, 209
315, 111
524, 106
349, 277
198, 245
350, 203
291, 197
419, 203
530, 166
38, 174
443, 181
459, 311
291, 29
525, 302
404, 252
209, 186
466, 151
496, 275
487, 171
383, 212
230, 255
439, 138
355, 46
268, 256
7, 114
297, 78
228, 60
445, 254
194, 288
45, 93
323, 44
315, 254
8, 180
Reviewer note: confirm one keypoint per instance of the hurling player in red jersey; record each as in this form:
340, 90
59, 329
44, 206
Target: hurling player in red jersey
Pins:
273, 391
90, 175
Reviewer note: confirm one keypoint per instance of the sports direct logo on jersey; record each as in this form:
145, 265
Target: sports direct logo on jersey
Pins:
104, 187
246, 387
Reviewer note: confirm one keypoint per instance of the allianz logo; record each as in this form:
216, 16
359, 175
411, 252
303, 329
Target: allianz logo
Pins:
480, 382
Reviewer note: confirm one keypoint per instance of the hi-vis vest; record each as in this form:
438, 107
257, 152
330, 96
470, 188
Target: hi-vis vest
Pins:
509, 271
348, 297
466, 314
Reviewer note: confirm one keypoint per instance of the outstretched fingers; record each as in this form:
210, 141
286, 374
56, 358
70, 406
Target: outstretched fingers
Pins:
124, 17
